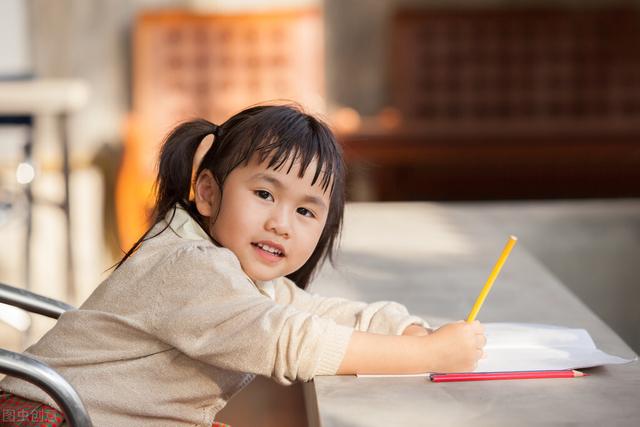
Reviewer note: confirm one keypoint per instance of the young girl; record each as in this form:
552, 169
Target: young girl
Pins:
213, 294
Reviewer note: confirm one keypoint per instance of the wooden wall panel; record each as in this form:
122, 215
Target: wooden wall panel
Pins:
508, 103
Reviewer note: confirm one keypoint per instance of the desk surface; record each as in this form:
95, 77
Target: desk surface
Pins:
434, 258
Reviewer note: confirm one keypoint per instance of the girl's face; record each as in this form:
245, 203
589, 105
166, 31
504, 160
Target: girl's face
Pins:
269, 219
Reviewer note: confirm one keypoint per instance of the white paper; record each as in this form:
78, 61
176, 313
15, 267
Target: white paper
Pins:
533, 347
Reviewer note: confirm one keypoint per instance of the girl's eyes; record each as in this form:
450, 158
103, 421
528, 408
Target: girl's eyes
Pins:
306, 212
265, 195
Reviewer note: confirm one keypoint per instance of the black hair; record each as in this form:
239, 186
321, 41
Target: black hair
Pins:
284, 134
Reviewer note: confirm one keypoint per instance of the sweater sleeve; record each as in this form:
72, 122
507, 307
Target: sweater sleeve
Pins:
206, 308
381, 317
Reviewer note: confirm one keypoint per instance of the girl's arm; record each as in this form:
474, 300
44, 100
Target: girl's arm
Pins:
199, 303
455, 347
381, 317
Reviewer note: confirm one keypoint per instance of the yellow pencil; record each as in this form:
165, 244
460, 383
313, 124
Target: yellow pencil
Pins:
492, 277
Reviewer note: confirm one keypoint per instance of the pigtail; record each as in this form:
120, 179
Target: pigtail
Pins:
173, 183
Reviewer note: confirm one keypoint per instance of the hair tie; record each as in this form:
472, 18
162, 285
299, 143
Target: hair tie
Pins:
217, 131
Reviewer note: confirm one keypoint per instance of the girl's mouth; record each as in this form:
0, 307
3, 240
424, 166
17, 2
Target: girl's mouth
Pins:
268, 254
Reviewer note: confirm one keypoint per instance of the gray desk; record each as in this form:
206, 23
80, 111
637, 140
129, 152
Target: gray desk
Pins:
434, 258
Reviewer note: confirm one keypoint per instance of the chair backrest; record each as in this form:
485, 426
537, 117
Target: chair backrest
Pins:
33, 371
32, 302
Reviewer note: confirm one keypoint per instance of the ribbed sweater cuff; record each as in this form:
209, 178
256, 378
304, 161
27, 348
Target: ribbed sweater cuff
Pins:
335, 346
410, 320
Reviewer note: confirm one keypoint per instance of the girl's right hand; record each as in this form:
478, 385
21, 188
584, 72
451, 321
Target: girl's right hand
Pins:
456, 347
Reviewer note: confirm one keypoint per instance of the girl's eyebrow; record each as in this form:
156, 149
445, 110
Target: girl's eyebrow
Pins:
279, 185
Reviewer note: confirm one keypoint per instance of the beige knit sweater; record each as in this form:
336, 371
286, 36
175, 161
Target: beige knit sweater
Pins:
179, 328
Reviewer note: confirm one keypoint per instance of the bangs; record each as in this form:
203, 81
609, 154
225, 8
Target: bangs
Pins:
284, 137
285, 152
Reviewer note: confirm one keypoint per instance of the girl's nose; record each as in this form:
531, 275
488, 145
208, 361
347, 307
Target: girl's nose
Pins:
279, 223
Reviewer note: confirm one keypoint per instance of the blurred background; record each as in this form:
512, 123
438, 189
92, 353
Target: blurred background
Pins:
526, 111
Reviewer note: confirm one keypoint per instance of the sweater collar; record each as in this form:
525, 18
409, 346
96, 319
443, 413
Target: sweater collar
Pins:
186, 227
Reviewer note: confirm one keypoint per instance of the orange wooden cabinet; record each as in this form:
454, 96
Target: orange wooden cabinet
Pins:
188, 65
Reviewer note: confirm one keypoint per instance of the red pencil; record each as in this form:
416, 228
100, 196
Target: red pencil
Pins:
516, 375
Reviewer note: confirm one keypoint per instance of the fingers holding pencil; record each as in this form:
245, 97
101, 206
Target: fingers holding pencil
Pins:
481, 339
457, 346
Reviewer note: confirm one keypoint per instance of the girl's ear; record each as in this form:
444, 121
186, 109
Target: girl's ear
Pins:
207, 193
202, 149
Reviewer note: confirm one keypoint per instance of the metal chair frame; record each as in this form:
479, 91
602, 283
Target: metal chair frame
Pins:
35, 372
